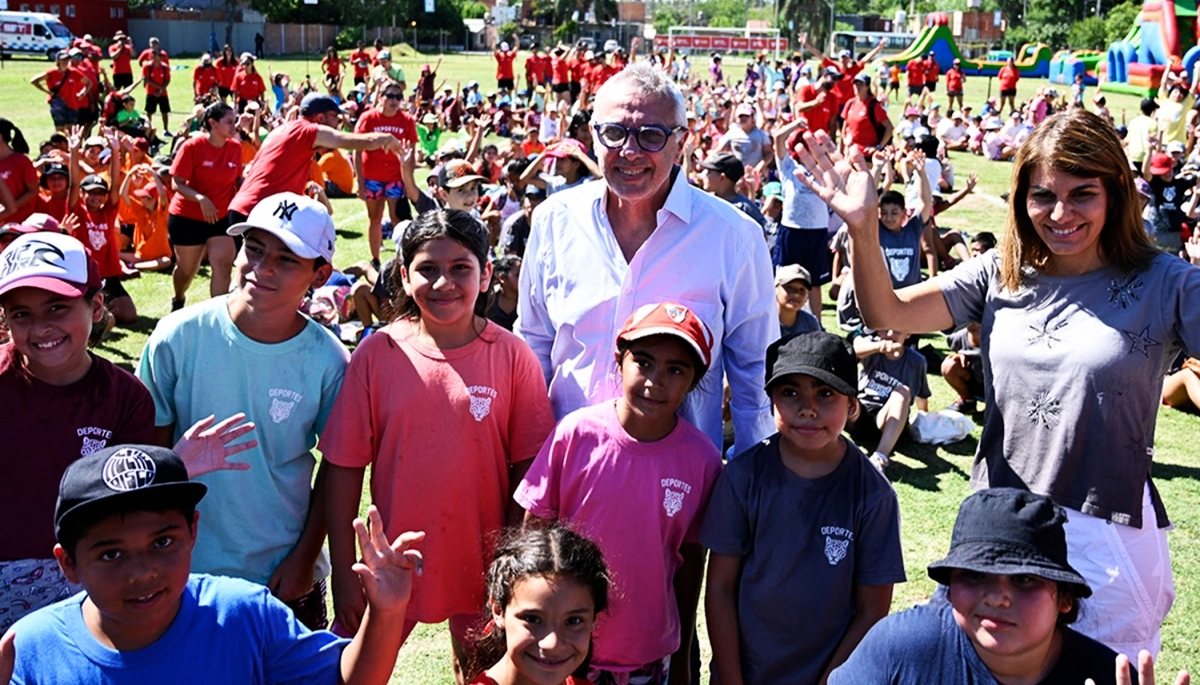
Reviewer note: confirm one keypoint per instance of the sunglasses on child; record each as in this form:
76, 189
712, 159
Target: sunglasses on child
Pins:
650, 138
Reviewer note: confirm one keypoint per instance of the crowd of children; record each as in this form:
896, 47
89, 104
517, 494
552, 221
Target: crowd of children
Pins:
558, 554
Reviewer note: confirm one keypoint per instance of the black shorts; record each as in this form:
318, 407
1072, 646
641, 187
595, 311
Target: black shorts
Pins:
225, 93
504, 84
86, 116
156, 102
807, 247
915, 90
1008, 93
932, 86
576, 88
122, 80
360, 79
865, 429
113, 289
561, 87
186, 232
954, 93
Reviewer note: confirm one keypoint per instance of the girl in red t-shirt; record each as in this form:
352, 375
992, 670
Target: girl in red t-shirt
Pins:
205, 173
227, 68
556, 575
248, 85
379, 172
94, 203
332, 66
20, 178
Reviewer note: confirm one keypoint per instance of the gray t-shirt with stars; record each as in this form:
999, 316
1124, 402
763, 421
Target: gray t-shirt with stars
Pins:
1073, 368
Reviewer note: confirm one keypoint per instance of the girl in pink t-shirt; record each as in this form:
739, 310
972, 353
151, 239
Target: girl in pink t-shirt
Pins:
448, 409
635, 477
545, 589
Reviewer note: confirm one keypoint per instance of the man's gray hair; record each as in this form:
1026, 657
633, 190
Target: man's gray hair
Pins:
648, 80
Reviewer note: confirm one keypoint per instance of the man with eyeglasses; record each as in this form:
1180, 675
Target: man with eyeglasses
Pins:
283, 163
644, 235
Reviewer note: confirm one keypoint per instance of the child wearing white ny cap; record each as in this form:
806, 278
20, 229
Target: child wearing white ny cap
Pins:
60, 402
253, 351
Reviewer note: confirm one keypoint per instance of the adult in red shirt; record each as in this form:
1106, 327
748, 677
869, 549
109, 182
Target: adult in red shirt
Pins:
227, 68
361, 60
380, 172
284, 162
576, 67
206, 79
1008, 77
865, 121
121, 53
915, 74
89, 109
931, 72
849, 67
248, 84
205, 175
18, 173
533, 71
547, 65
147, 54
331, 65
66, 89
954, 85
156, 76
560, 67
505, 56
817, 102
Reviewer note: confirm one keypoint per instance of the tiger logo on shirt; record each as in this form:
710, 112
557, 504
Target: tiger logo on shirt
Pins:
673, 492
481, 401
837, 543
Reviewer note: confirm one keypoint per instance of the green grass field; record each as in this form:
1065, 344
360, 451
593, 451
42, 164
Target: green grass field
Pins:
930, 481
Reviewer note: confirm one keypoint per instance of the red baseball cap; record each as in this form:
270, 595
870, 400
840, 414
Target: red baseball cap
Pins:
668, 318
1161, 163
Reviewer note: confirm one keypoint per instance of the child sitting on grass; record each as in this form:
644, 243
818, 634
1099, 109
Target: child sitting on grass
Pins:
804, 533
892, 380
126, 523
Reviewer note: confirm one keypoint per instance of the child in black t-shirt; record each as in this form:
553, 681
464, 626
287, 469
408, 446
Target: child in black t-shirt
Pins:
891, 382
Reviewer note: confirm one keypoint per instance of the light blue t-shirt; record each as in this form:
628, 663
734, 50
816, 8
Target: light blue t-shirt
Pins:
226, 631
197, 363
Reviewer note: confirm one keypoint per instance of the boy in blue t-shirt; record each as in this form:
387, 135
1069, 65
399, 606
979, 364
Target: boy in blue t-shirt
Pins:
901, 227
804, 532
892, 381
253, 351
126, 523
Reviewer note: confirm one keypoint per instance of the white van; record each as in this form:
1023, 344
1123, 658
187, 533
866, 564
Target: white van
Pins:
33, 33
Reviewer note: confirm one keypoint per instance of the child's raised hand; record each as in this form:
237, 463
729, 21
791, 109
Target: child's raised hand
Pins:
844, 183
205, 448
1145, 671
69, 224
386, 570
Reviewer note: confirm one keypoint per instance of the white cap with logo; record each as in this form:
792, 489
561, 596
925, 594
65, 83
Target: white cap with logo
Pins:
48, 261
299, 221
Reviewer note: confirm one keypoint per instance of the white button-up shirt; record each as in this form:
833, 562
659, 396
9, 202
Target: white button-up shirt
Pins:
577, 290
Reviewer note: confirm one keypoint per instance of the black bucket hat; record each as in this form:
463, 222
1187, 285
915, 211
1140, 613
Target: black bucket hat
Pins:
1006, 531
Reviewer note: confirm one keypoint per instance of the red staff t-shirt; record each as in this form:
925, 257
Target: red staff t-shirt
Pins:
226, 69
122, 58
504, 64
561, 70
249, 86
205, 79
283, 164
915, 72
147, 56
156, 78
209, 170
1008, 77
46, 428
954, 80
20, 176
362, 63
381, 165
820, 116
859, 130
98, 233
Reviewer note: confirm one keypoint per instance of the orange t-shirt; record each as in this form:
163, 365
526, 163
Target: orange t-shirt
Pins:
150, 231
440, 430
249, 151
335, 167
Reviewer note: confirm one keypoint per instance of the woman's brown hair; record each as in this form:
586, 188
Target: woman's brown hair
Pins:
1081, 144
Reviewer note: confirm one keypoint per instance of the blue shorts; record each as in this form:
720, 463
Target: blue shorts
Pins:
807, 247
61, 114
379, 190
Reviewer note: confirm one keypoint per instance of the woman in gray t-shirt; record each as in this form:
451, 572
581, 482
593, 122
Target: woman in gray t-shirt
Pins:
1081, 317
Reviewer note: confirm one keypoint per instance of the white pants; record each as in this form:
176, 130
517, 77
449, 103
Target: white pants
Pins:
1129, 571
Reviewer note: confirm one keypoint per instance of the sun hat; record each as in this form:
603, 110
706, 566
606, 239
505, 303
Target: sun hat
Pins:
824, 356
668, 318
302, 223
121, 477
1006, 531
48, 261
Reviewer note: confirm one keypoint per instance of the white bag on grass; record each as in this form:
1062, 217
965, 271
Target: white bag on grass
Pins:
940, 427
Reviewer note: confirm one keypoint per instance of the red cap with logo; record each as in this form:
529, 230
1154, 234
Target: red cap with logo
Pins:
668, 318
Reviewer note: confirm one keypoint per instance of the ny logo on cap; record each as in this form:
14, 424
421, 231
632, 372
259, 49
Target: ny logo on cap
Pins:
129, 469
285, 210
32, 253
